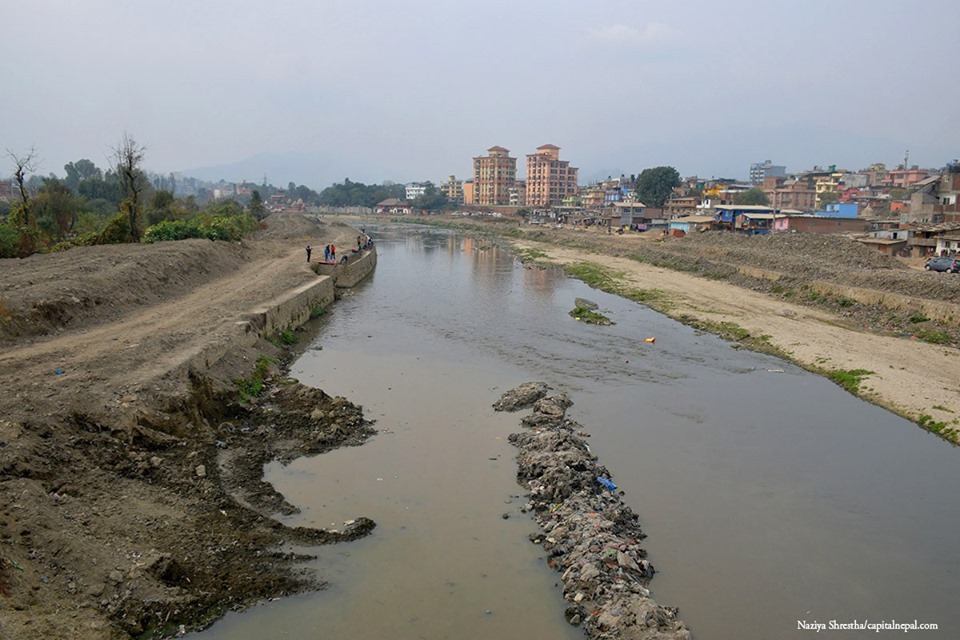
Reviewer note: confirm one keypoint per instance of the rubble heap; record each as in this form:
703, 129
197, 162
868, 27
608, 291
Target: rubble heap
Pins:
590, 536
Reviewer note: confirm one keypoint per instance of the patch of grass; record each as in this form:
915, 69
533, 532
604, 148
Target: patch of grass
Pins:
917, 318
732, 331
252, 387
527, 255
651, 297
316, 311
849, 379
933, 336
928, 423
284, 338
590, 317
940, 407
844, 302
594, 275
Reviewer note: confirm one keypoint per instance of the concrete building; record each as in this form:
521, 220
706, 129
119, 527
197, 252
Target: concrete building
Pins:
493, 176
549, 179
790, 194
936, 199
902, 178
453, 189
766, 169
393, 206
415, 189
592, 197
518, 194
468, 193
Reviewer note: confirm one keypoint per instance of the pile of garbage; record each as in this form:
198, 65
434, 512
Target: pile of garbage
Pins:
590, 536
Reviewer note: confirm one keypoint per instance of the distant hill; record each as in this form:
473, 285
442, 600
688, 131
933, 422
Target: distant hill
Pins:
313, 169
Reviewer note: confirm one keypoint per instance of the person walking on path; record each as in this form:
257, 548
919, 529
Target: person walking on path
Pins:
309, 250
326, 253
333, 253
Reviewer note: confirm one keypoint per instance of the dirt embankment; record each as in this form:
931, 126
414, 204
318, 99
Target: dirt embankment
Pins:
131, 496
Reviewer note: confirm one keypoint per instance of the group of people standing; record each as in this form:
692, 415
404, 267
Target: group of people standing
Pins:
330, 251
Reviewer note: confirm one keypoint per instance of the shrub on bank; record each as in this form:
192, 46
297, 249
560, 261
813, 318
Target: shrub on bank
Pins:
202, 226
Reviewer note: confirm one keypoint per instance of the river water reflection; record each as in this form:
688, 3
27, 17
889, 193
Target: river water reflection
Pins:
769, 495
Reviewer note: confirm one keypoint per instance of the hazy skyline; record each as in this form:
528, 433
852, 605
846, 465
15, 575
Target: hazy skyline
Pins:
379, 91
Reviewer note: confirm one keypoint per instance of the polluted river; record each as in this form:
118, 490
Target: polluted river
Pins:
773, 500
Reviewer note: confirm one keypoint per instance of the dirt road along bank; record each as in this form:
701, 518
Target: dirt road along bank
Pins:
132, 438
886, 332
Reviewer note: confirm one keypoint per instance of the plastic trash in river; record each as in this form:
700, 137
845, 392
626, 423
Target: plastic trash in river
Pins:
607, 482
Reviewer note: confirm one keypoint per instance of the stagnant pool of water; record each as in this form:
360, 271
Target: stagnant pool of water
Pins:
770, 496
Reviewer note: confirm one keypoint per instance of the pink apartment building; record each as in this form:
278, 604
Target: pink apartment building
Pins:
549, 179
493, 177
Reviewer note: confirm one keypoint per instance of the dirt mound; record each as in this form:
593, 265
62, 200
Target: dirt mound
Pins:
287, 226
48, 293
123, 514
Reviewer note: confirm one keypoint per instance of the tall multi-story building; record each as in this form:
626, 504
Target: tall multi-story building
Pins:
765, 169
493, 176
549, 179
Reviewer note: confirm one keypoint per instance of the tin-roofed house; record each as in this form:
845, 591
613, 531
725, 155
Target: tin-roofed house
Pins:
750, 219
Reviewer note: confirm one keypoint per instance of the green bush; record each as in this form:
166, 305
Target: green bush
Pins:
117, 230
9, 241
225, 227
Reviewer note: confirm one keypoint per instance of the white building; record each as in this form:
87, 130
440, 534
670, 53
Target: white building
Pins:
415, 190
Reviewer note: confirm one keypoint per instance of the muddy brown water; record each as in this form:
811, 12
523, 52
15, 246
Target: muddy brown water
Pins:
770, 496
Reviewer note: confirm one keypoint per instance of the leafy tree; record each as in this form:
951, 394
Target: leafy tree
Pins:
432, 200
358, 194
753, 196
161, 206
308, 195
80, 171
128, 156
654, 186
827, 197
55, 209
224, 208
257, 209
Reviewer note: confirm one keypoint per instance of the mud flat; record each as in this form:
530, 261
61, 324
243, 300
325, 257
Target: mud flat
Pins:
589, 535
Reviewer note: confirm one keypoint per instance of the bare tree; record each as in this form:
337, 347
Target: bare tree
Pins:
24, 163
128, 155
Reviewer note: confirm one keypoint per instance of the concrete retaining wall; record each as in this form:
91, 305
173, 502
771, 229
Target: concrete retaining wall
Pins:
353, 271
289, 310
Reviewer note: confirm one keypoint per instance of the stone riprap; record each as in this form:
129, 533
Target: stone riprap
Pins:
590, 536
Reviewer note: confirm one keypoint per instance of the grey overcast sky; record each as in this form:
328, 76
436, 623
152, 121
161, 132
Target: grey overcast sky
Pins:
375, 90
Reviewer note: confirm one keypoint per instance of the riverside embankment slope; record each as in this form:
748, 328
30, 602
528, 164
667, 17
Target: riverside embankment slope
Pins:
129, 466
